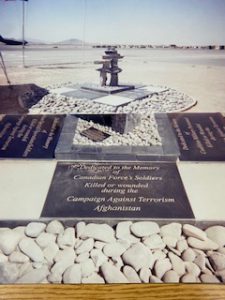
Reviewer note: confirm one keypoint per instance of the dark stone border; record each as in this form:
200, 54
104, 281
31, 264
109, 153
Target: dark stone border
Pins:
169, 150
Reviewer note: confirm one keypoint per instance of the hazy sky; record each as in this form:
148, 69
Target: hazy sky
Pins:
118, 21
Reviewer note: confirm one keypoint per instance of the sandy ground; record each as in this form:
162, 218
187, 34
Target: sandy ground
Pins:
198, 75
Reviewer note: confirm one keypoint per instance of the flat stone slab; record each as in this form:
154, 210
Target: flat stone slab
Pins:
82, 94
29, 136
154, 89
107, 89
113, 100
117, 190
200, 136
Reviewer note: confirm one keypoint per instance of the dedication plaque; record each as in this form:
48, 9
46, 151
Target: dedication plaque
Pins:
95, 134
117, 190
201, 136
29, 136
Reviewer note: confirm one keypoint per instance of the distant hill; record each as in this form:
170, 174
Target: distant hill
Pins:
36, 42
70, 42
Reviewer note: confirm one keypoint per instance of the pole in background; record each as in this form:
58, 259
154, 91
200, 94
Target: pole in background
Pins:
23, 32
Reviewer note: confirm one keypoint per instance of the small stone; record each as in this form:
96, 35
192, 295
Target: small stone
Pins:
154, 242
80, 227
100, 232
112, 274
131, 274
200, 261
9, 240
8, 273
145, 274
221, 275
33, 229
66, 254
195, 232
87, 268
50, 252
192, 268
171, 277
117, 261
175, 251
172, 229
20, 230
189, 278
161, 267
3, 258
18, 257
99, 245
182, 245
31, 249
154, 279
170, 241
67, 238
216, 234
72, 274
158, 254
34, 276
188, 255
85, 246
55, 227
25, 268
98, 257
123, 230
138, 256
94, 278
209, 279
217, 261
82, 257
177, 264
55, 278
45, 238
202, 245
144, 228
114, 249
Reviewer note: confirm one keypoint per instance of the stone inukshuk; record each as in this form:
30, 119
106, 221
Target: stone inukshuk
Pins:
110, 65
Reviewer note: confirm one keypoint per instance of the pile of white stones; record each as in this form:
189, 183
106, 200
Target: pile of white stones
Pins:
167, 101
145, 134
130, 252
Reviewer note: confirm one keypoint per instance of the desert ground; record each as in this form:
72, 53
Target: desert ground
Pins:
195, 72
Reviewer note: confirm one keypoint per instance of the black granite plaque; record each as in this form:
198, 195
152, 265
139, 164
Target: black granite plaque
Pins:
95, 134
29, 136
117, 190
201, 136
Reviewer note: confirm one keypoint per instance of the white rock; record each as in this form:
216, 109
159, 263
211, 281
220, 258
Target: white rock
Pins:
100, 232
8, 273
131, 274
154, 242
9, 240
172, 229
55, 227
67, 238
189, 278
123, 232
177, 264
188, 255
18, 257
200, 261
94, 278
55, 278
170, 241
195, 232
33, 229
145, 274
31, 249
87, 268
217, 261
171, 277
112, 274
25, 268
221, 275
82, 257
45, 238
216, 234
114, 249
192, 268
3, 258
66, 254
138, 256
202, 245
161, 267
20, 230
60, 266
72, 274
99, 245
205, 278
80, 227
98, 257
144, 228
182, 245
85, 246
50, 252
154, 279
34, 276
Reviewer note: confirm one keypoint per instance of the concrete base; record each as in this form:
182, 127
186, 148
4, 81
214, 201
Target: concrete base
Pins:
108, 89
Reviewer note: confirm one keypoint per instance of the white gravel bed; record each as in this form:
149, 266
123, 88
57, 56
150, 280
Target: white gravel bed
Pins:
145, 134
168, 101
130, 252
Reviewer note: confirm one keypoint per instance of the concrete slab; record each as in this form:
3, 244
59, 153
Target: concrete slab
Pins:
113, 100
